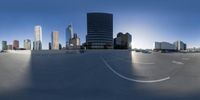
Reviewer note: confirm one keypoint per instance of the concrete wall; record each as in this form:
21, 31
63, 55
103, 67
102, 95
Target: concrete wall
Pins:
19, 51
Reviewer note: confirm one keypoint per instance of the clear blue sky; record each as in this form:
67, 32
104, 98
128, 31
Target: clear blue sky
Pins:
147, 20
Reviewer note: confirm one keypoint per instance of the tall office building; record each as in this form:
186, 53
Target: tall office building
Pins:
60, 47
50, 46
69, 35
99, 31
15, 44
4, 45
38, 38
27, 44
123, 41
55, 40
185, 47
33, 45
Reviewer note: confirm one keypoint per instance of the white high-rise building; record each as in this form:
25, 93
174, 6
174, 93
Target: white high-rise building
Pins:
38, 38
69, 35
55, 40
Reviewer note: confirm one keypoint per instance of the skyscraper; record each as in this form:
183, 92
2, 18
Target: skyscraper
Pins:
33, 45
55, 40
15, 44
60, 47
69, 35
27, 44
50, 46
4, 45
99, 31
38, 38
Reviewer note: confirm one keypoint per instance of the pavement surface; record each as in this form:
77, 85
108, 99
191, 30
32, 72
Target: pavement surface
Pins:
100, 75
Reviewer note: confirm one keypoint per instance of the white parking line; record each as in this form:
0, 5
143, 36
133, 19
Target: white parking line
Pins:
130, 79
134, 62
177, 62
143, 63
185, 58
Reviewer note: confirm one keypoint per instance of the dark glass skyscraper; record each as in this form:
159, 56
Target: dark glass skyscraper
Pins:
99, 31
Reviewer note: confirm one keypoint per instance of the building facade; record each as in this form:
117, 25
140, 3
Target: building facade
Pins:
27, 44
50, 46
60, 46
160, 46
15, 45
69, 35
4, 45
99, 31
38, 38
123, 41
180, 45
55, 40
75, 41
10, 47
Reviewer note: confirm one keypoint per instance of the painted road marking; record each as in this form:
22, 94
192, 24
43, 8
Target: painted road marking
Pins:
134, 62
131, 79
177, 62
185, 58
144, 63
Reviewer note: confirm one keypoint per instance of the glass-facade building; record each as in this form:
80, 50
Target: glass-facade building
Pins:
180, 45
4, 45
69, 35
99, 31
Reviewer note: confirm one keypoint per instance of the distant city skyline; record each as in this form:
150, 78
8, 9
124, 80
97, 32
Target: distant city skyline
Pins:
146, 20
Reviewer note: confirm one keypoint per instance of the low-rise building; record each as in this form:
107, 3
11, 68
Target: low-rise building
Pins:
9, 47
164, 46
27, 44
75, 41
123, 41
180, 45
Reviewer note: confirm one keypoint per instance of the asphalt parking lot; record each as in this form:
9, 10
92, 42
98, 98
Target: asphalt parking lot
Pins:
99, 74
